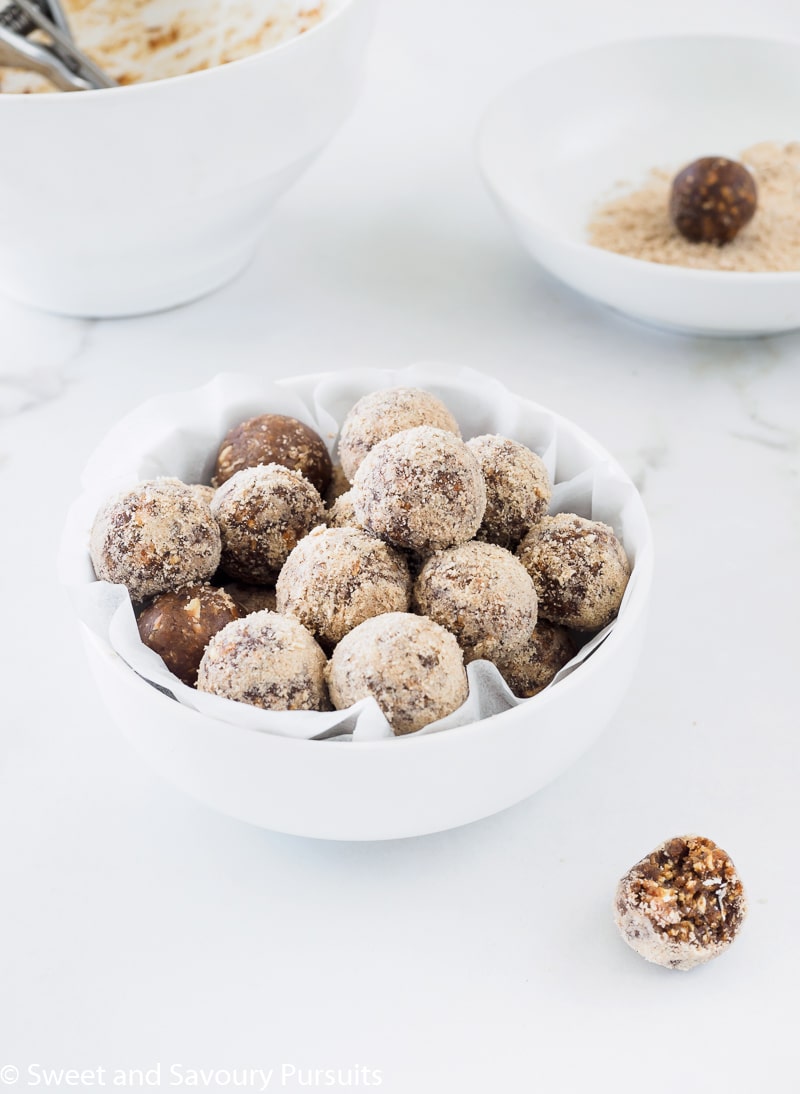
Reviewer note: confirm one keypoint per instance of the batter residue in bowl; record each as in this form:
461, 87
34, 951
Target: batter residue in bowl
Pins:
638, 225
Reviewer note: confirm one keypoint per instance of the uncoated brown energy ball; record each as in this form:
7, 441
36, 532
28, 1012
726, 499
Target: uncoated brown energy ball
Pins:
267, 660
421, 489
155, 537
682, 905
579, 568
382, 413
274, 438
517, 488
336, 578
263, 512
712, 199
483, 595
179, 625
410, 665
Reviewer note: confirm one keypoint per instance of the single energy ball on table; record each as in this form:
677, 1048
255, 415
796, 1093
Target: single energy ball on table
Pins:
274, 438
483, 595
179, 625
263, 512
518, 488
154, 537
531, 669
682, 905
411, 666
579, 568
382, 413
336, 578
712, 199
266, 660
420, 489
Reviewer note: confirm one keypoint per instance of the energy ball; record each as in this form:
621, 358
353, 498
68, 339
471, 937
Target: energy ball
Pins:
262, 514
155, 537
579, 568
342, 513
483, 595
179, 625
712, 199
274, 438
531, 669
338, 485
421, 489
410, 665
517, 488
202, 492
267, 660
682, 905
336, 578
251, 598
383, 413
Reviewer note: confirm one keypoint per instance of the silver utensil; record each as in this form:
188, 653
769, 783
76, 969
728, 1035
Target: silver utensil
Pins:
36, 36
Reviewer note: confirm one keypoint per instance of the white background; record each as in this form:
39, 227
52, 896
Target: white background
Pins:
140, 928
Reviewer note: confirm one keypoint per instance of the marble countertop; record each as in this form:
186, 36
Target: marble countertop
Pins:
139, 929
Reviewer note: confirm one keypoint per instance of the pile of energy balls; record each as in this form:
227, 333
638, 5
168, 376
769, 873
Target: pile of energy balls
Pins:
291, 584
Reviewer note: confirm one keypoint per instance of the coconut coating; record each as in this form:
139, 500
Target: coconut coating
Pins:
342, 513
530, 669
517, 488
203, 492
155, 537
381, 414
263, 512
179, 625
681, 905
579, 568
274, 438
483, 595
267, 660
421, 489
336, 578
411, 666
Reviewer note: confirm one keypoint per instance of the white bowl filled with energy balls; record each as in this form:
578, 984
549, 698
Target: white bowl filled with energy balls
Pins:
363, 605
672, 192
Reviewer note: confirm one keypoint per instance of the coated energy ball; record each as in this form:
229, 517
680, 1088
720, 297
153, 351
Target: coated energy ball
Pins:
155, 537
421, 489
517, 488
383, 413
274, 438
263, 512
712, 199
579, 568
681, 905
530, 669
336, 578
267, 660
483, 595
410, 665
179, 625
342, 513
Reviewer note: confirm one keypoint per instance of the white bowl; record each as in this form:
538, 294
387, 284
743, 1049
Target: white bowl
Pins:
131, 199
552, 145
374, 789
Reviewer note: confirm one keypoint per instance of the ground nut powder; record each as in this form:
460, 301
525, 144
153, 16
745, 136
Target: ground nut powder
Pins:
637, 224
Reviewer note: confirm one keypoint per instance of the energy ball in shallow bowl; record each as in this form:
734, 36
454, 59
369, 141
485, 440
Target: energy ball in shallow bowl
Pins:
481, 593
158, 536
421, 489
267, 660
410, 665
336, 578
263, 512
381, 414
518, 488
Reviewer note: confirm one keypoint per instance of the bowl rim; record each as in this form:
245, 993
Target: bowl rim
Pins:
635, 608
588, 251
146, 87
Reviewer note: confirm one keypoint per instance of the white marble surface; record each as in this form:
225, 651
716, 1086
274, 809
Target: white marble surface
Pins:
139, 929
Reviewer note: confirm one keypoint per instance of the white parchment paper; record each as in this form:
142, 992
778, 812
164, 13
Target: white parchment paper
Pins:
179, 435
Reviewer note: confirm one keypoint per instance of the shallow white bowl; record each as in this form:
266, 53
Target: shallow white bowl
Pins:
364, 790
131, 199
553, 145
